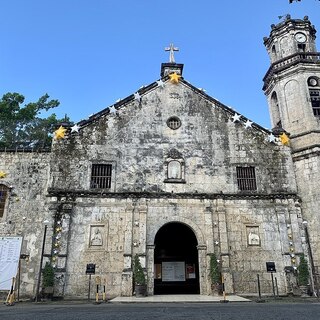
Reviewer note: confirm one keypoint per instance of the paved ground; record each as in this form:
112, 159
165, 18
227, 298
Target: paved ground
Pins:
308, 310
186, 298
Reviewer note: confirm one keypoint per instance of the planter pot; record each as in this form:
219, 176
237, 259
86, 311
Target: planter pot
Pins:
48, 292
140, 290
216, 289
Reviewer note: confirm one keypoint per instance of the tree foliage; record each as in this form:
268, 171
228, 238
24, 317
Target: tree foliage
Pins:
138, 274
23, 126
215, 274
48, 275
303, 272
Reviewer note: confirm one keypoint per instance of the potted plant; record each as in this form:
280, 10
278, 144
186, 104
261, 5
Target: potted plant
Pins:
48, 280
139, 278
215, 275
303, 275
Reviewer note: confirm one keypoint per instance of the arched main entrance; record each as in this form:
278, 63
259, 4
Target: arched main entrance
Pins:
176, 260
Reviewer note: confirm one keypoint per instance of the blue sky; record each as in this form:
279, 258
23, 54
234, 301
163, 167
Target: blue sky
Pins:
89, 53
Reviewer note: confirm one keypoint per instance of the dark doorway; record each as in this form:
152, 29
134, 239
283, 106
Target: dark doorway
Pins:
176, 260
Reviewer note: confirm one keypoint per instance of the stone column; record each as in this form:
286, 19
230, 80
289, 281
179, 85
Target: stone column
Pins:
209, 228
150, 269
203, 276
224, 245
62, 230
126, 277
142, 231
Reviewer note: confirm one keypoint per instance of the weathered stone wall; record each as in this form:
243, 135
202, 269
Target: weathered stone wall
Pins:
129, 226
111, 218
138, 142
307, 169
278, 223
108, 227
27, 176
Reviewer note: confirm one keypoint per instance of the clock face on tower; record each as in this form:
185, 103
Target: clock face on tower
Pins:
300, 37
313, 82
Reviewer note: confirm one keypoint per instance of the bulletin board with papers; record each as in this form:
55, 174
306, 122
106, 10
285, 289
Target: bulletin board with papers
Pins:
10, 248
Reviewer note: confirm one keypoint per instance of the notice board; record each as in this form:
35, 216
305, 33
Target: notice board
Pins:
173, 271
10, 248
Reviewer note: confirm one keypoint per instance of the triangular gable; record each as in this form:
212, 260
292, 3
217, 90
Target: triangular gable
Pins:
138, 95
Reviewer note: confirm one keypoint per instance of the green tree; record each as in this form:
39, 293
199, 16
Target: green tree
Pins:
138, 274
23, 126
215, 274
303, 272
48, 275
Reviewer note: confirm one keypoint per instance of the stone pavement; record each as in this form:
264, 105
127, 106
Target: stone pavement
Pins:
187, 298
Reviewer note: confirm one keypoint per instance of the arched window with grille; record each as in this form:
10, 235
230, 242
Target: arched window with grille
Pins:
4, 191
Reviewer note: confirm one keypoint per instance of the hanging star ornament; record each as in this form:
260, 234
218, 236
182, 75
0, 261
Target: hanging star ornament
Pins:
137, 96
174, 77
284, 139
248, 124
160, 83
2, 174
236, 117
60, 133
271, 138
75, 128
113, 109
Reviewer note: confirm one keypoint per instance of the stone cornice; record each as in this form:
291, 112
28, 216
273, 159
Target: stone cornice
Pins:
25, 150
311, 58
55, 192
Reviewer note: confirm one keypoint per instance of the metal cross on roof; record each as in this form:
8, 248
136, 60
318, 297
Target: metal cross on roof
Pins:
172, 49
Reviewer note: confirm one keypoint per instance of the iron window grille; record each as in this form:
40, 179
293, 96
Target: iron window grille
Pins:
314, 91
173, 123
246, 178
315, 102
101, 176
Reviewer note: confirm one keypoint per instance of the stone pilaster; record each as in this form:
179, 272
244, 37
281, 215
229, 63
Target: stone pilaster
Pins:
150, 269
203, 276
126, 277
224, 245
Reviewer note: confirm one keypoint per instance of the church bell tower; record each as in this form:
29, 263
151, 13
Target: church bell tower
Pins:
292, 87
292, 83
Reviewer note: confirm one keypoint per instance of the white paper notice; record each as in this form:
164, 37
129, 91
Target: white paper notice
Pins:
10, 248
173, 271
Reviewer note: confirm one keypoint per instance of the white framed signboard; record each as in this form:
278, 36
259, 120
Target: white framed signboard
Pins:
173, 271
10, 248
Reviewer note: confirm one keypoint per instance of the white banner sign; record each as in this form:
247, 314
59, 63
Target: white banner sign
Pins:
10, 248
173, 271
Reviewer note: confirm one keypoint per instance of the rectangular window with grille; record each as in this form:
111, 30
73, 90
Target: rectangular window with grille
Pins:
101, 176
246, 178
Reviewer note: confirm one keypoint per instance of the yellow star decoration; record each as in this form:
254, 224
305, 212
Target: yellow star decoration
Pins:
174, 78
284, 139
2, 174
59, 134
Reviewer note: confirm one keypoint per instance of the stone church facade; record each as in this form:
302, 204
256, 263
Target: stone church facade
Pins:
173, 175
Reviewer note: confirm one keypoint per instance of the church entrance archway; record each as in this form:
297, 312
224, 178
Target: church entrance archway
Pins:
176, 260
